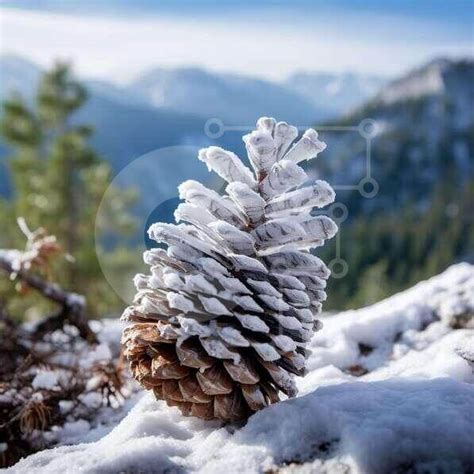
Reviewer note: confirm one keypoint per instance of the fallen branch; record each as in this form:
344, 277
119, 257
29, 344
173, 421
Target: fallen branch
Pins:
72, 304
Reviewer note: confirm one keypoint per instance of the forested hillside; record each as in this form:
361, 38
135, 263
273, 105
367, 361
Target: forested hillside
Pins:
420, 219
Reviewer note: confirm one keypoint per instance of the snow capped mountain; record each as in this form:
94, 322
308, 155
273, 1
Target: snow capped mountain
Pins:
435, 103
237, 99
116, 93
389, 389
424, 135
445, 86
338, 93
430, 79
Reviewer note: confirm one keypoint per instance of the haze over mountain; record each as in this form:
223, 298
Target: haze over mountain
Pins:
170, 107
303, 97
337, 93
229, 97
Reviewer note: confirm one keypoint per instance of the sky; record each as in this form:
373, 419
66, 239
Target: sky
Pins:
117, 40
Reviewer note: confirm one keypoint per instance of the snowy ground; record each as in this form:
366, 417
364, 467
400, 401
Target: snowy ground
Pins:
389, 389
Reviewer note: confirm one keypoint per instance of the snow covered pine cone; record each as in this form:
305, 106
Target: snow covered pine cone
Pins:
220, 325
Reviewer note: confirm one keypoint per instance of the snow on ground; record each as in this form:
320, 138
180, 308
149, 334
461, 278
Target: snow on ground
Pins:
388, 390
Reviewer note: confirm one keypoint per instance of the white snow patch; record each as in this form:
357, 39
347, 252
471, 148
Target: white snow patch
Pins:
46, 379
100, 353
91, 399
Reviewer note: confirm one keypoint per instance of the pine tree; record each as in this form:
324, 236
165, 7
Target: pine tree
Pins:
59, 181
220, 325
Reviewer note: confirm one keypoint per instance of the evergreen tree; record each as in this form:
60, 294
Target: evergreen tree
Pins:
404, 246
59, 181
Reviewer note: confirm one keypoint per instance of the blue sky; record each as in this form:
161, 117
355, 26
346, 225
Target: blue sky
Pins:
119, 39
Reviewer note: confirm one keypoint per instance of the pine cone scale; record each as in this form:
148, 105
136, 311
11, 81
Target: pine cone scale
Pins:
215, 380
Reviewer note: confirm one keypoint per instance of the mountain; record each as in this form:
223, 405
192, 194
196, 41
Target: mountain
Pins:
440, 76
164, 108
116, 93
235, 99
337, 93
423, 135
410, 196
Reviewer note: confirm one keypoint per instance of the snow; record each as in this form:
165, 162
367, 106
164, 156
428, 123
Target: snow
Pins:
261, 150
283, 176
318, 195
66, 406
46, 379
411, 410
421, 82
213, 306
247, 200
14, 257
254, 323
216, 348
71, 430
91, 399
307, 148
100, 353
197, 194
227, 165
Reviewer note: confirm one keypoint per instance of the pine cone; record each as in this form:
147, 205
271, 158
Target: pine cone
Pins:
220, 325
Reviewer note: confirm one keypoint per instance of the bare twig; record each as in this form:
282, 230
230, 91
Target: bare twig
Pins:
72, 304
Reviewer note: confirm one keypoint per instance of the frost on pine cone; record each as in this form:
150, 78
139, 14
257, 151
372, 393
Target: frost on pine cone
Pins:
219, 327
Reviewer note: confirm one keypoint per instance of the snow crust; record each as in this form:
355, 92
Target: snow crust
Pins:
388, 390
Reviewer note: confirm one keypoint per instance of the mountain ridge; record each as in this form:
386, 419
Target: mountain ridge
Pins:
419, 137
338, 93
229, 97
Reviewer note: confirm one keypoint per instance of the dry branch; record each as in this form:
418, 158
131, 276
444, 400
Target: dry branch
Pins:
72, 304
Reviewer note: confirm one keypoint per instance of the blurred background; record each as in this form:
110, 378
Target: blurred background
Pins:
93, 91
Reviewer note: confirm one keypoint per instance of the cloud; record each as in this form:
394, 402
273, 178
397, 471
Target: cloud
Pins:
266, 45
